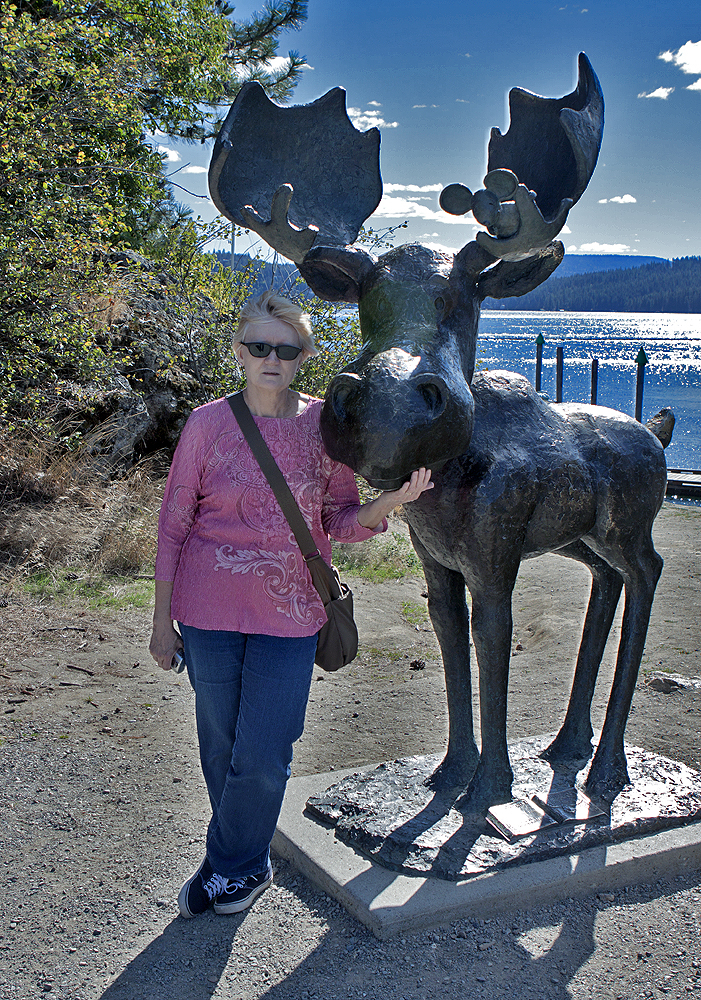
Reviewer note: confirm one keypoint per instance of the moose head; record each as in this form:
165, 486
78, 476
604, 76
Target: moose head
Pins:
306, 180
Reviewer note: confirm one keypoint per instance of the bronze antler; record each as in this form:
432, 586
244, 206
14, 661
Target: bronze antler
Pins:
538, 170
324, 173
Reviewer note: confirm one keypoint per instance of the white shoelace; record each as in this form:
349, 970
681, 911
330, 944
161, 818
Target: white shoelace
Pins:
216, 884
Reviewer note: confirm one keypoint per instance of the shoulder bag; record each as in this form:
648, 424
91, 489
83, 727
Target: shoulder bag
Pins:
337, 644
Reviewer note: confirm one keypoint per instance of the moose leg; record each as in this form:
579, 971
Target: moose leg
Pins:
491, 633
451, 621
609, 772
573, 742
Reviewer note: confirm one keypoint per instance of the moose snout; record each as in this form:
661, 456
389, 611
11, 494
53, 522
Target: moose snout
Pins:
426, 395
433, 390
339, 391
388, 421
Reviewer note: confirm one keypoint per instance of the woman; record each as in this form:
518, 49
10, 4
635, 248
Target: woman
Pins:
230, 573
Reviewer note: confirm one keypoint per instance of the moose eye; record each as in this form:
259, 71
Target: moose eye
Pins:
439, 304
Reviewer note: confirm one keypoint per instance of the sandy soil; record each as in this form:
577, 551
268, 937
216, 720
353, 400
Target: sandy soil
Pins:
103, 809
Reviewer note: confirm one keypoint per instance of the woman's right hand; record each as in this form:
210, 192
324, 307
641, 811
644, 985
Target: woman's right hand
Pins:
164, 643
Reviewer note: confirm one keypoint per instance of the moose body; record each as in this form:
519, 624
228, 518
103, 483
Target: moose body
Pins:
515, 476
582, 481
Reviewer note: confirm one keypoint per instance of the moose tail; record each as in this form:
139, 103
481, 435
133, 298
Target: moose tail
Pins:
662, 425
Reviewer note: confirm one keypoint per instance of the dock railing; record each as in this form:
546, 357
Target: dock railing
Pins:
641, 360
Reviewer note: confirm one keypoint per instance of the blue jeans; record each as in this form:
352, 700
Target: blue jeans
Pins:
251, 695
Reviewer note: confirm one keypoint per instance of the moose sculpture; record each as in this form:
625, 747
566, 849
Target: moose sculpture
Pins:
515, 476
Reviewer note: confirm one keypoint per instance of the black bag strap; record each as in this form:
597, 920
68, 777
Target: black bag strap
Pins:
271, 471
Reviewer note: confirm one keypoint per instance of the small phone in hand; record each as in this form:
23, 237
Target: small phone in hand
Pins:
177, 664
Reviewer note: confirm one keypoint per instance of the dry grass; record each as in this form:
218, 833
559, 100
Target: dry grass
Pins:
69, 528
60, 511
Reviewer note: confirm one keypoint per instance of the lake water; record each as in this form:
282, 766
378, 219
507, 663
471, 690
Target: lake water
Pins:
672, 342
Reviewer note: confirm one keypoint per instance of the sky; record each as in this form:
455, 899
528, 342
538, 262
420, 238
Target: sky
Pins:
435, 78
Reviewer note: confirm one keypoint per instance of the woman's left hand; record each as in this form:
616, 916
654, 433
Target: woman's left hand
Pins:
371, 514
419, 482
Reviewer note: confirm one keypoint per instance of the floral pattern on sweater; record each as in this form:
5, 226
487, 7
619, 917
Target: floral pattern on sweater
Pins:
223, 539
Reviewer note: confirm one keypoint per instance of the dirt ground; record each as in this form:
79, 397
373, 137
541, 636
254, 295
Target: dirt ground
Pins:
103, 809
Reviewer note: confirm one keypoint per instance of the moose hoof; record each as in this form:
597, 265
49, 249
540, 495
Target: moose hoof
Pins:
607, 778
566, 747
484, 792
450, 779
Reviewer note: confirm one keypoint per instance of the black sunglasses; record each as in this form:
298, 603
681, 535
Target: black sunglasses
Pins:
286, 352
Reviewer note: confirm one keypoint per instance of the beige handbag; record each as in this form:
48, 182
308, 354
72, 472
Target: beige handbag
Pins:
337, 643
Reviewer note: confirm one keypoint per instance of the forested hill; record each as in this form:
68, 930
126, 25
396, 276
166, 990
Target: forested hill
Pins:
664, 286
584, 263
283, 276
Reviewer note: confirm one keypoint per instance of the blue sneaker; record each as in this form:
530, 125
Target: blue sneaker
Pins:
241, 892
200, 890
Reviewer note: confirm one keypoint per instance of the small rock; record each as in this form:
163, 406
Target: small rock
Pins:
417, 665
606, 897
667, 683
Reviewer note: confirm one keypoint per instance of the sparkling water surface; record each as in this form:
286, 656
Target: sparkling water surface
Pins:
672, 342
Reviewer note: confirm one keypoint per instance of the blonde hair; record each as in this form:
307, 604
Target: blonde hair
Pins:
269, 306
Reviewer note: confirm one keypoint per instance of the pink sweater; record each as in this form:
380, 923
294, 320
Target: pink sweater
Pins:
222, 538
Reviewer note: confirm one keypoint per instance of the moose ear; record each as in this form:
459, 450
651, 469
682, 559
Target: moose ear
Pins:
336, 274
516, 277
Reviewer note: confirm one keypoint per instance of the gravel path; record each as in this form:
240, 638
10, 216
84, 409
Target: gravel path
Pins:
103, 810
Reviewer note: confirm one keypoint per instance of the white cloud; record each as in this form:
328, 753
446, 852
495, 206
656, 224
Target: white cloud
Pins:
599, 248
418, 106
661, 92
440, 247
402, 208
696, 85
418, 188
281, 62
687, 58
170, 154
565, 231
374, 104
619, 199
369, 119
461, 100
192, 169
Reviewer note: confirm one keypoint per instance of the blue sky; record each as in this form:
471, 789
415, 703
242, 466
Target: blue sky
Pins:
435, 78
